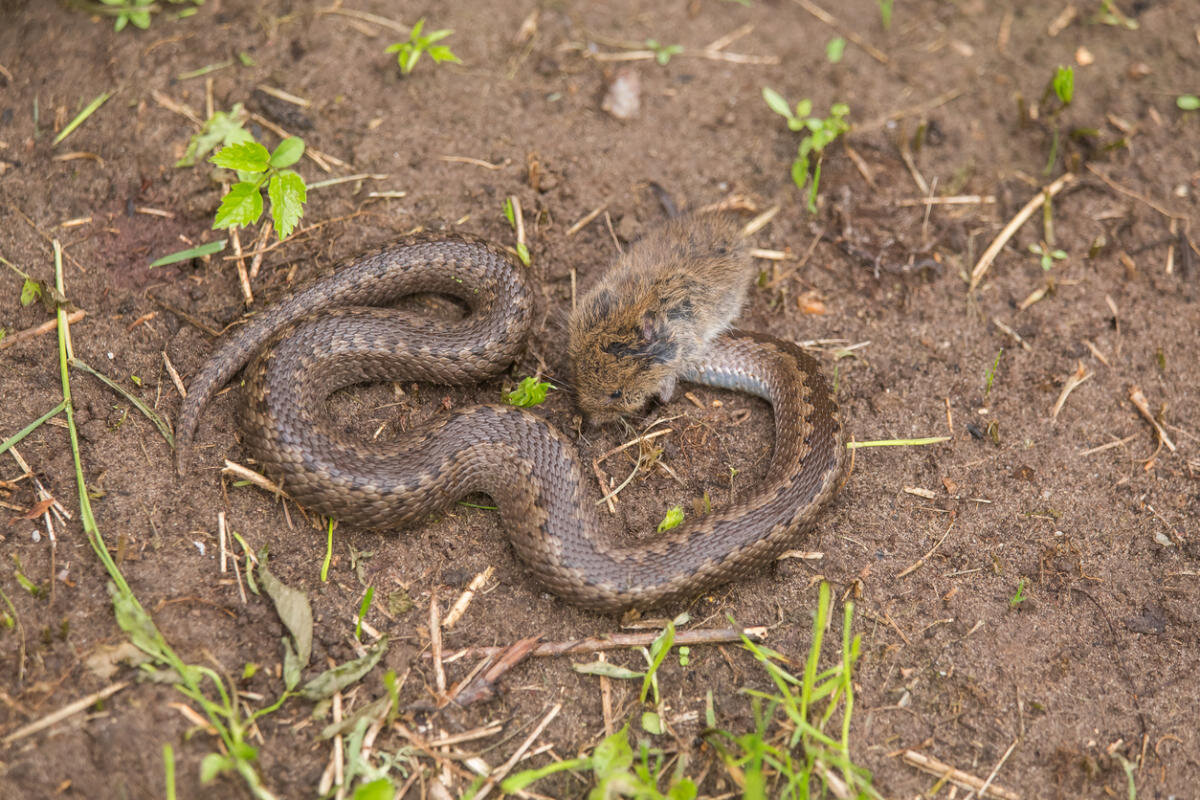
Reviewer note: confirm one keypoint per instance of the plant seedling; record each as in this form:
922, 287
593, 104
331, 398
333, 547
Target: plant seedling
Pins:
1109, 14
1046, 254
1062, 86
819, 134
1019, 596
835, 50
409, 53
991, 375
885, 13
672, 519
663, 52
1188, 102
243, 204
529, 392
221, 129
136, 11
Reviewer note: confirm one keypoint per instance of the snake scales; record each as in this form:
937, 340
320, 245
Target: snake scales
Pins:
528, 467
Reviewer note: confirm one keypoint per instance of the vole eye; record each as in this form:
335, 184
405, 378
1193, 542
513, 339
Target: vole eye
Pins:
616, 395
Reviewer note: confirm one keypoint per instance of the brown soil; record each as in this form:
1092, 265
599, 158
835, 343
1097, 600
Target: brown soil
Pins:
1097, 665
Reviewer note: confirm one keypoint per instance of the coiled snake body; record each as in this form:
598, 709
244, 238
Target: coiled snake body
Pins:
528, 467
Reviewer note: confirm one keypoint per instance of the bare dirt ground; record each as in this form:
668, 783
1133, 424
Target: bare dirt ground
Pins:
1087, 684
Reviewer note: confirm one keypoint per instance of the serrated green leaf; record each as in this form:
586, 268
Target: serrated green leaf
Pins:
288, 152
288, 195
243, 205
222, 128
192, 252
672, 519
243, 156
776, 102
530, 392
30, 290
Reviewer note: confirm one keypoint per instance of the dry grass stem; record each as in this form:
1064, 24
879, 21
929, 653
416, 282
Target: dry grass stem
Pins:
1013, 226
585, 219
478, 162
464, 600
37, 330
500, 772
620, 641
82, 704
963, 780
243, 276
955, 200
832, 22
257, 478
1116, 187
1108, 446
1143, 406
1073, 380
435, 645
925, 558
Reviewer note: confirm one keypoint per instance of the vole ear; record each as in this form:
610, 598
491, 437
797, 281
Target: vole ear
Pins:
666, 389
650, 343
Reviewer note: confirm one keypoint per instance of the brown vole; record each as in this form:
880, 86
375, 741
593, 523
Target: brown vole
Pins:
655, 312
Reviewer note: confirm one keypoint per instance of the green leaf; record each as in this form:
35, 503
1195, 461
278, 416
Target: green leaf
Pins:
436, 36
613, 755
243, 156
835, 50
509, 214
292, 606
30, 290
651, 723
341, 676
381, 789
442, 53
1064, 84
672, 519
608, 670
222, 128
121, 22
134, 620
213, 765
529, 392
243, 205
804, 108
288, 195
800, 172
192, 252
1188, 102
517, 782
523, 253
288, 152
415, 33
684, 790
140, 18
776, 102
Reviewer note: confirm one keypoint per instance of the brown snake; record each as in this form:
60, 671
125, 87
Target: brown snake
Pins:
528, 468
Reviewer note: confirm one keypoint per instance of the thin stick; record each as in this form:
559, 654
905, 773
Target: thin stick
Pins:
964, 780
1015, 336
925, 558
1143, 406
1130, 193
987, 784
243, 276
1014, 224
263, 236
616, 641
829, 20
952, 200
1108, 446
1077, 377
586, 218
38, 330
257, 478
66, 711
464, 600
500, 772
477, 162
435, 645
221, 541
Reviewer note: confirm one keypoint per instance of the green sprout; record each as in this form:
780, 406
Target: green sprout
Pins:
885, 13
991, 375
221, 129
243, 204
512, 214
1047, 255
529, 392
136, 11
835, 50
672, 519
1018, 597
1109, 14
819, 134
409, 53
1063, 83
1062, 86
663, 52
1188, 102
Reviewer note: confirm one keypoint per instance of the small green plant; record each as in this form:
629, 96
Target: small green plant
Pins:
885, 13
819, 134
136, 12
512, 213
363, 607
672, 519
409, 53
243, 204
1046, 254
835, 49
990, 376
1062, 86
1188, 102
529, 392
1109, 14
616, 772
663, 52
223, 128
1019, 597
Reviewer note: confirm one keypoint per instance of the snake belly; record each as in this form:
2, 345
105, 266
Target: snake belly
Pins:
529, 469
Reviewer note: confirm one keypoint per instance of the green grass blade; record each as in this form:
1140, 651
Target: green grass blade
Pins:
31, 427
138, 404
81, 116
198, 251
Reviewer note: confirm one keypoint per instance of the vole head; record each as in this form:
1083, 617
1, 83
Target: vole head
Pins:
621, 358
